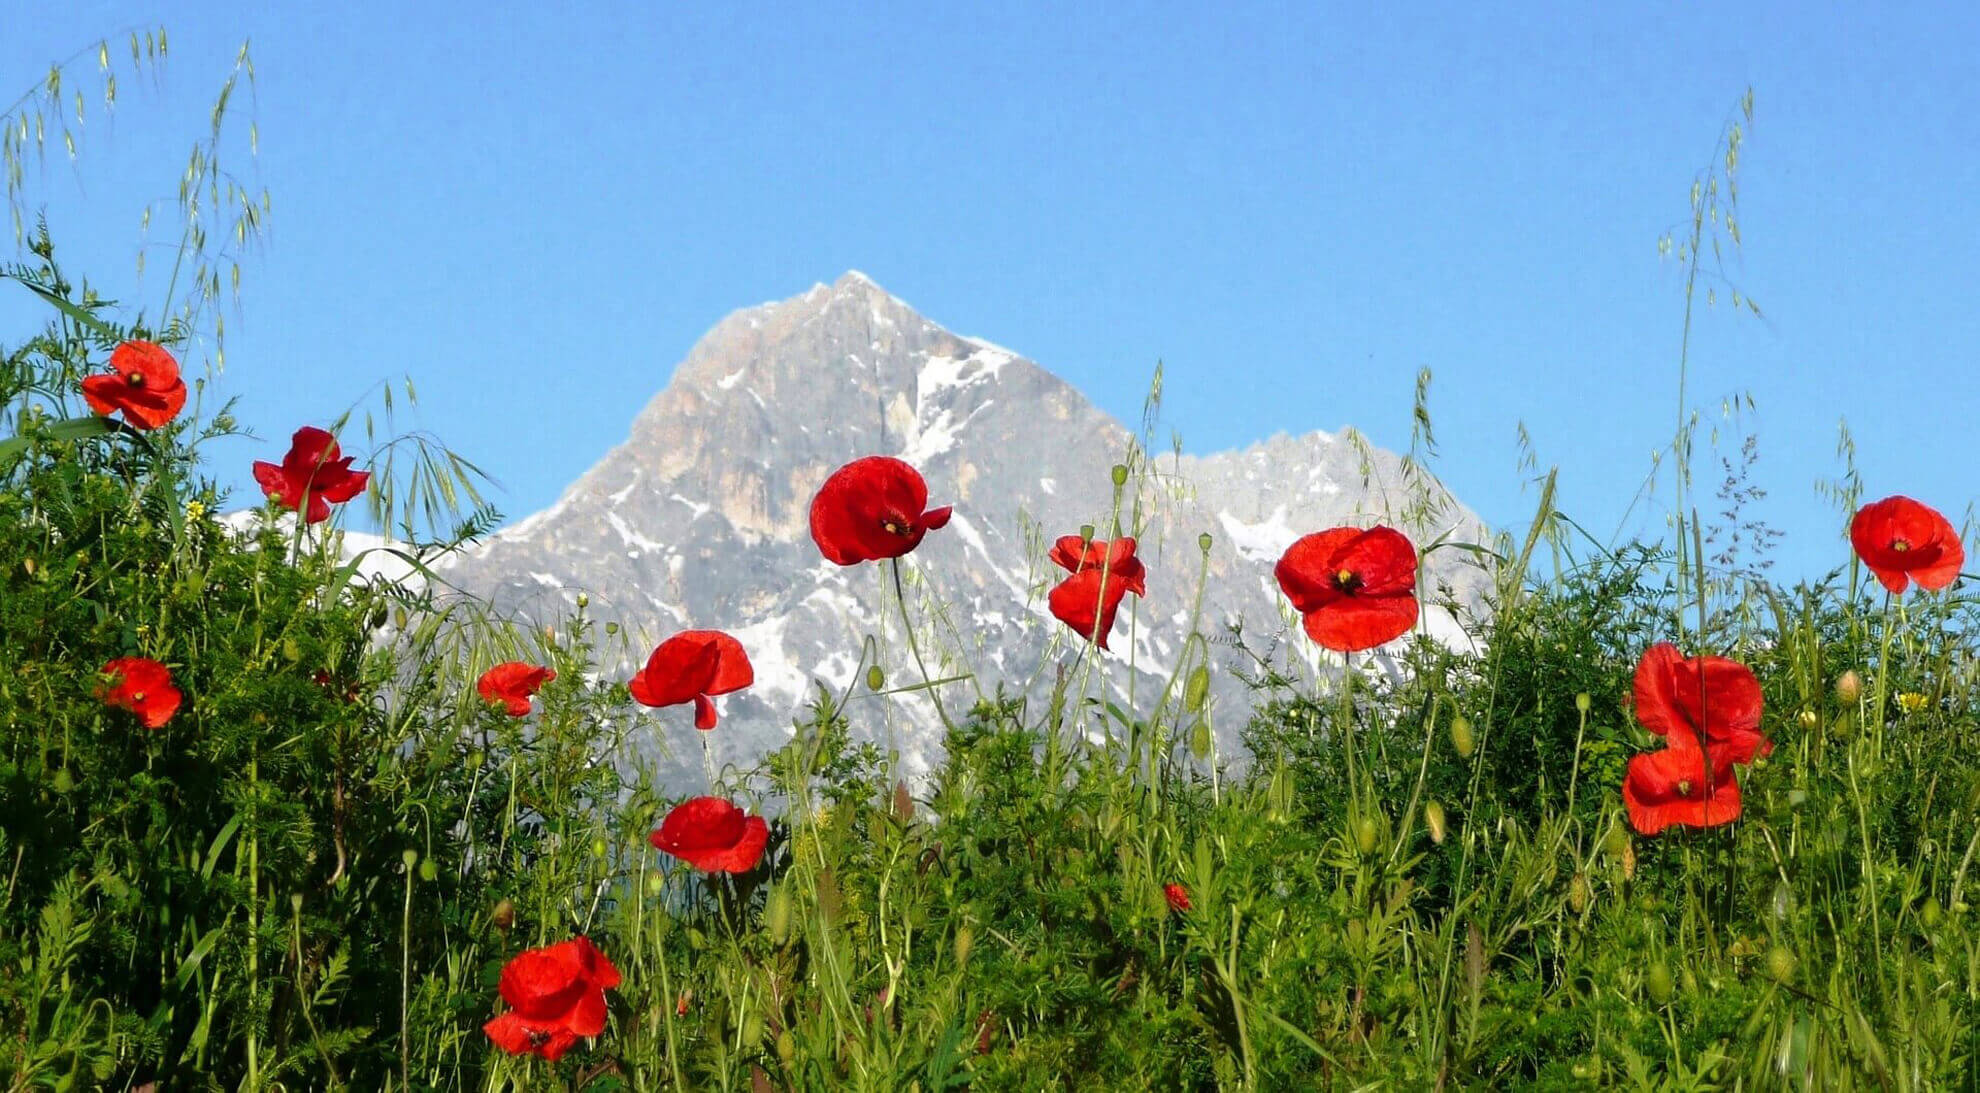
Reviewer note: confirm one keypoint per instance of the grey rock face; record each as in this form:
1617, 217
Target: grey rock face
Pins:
700, 521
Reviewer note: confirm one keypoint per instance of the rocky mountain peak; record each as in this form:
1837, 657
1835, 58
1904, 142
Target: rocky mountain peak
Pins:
700, 518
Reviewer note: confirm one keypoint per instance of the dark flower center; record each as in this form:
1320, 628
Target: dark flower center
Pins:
1348, 581
538, 1037
1900, 545
1684, 787
137, 379
895, 525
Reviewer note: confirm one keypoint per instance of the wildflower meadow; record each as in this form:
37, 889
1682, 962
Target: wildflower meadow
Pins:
271, 821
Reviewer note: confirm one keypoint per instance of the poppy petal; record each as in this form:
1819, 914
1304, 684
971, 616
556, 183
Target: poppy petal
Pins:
1367, 623
704, 712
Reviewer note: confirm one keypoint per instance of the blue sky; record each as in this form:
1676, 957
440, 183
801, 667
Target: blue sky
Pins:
534, 213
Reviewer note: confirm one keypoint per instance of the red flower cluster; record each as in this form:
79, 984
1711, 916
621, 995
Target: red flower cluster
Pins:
1707, 709
556, 994
1102, 574
143, 382
142, 686
1903, 541
712, 835
1356, 588
511, 683
313, 469
870, 509
692, 666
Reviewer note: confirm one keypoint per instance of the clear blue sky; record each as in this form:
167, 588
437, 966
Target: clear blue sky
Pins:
534, 213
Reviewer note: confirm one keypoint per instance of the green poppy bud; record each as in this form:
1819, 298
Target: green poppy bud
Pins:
1930, 914
1120, 474
1367, 834
1582, 701
64, 782
1197, 689
786, 1047
411, 858
503, 916
1433, 817
1203, 541
875, 678
1199, 740
1461, 737
965, 941
1086, 533
428, 871
583, 601
1780, 964
777, 914
1659, 983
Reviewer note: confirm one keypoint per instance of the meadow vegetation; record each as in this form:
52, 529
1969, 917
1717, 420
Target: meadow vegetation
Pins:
314, 870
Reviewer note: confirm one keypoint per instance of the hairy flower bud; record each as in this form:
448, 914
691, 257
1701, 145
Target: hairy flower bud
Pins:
1461, 737
1849, 687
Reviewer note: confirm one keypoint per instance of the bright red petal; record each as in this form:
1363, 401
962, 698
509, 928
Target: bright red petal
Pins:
1354, 623
704, 712
509, 1034
1306, 572
680, 668
1080, 602
870, 509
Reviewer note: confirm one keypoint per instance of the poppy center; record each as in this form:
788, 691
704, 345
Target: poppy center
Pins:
894, 525
136, 379
1900, 545
137, 696
538, 1037
1347, 580
1684, 787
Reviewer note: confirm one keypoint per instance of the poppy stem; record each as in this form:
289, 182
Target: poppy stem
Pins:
914, 647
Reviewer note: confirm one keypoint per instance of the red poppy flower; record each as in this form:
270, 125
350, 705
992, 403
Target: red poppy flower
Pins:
1093, 594
555, 994
871, 508
144, 383
1356, 588
1671, 786
689, 667
511, 683
1177, 895
1705, 700
142, 686
315, 468
712, 835
1903, 541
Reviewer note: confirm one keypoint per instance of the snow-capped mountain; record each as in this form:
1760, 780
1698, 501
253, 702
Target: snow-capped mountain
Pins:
700, 520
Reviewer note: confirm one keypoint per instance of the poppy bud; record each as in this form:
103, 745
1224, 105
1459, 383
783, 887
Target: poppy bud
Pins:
1930, 913
598, 848
1780, 964
1807, 719
1203, 541
296, 902
503, 916
428, 871
1199, 740
1582, 701
875, 678
28, 564
1197, 689
1849, 687
777, 914
1366, 834
611, 628
1461, 737
965, 941
1120, 474
1659, 983
1086, 533
399, 618
656, 882
1579, 893
786, 1047
411, 858
63, 781
583, 601
1433, 815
